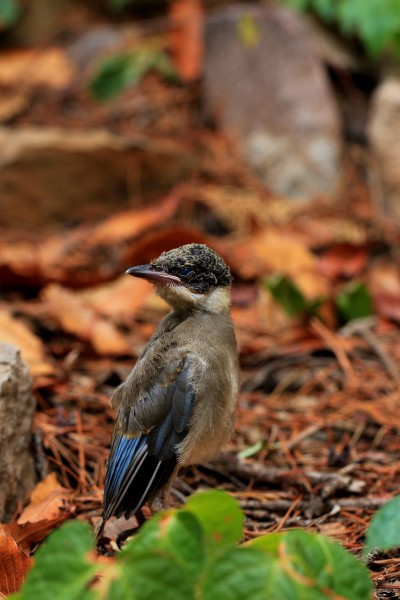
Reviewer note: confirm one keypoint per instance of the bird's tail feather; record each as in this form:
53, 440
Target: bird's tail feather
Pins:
133, 476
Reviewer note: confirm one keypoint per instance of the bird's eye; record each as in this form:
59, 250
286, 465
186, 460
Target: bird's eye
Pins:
186, 272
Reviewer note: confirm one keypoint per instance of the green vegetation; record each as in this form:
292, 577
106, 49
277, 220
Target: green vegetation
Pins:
9, 13
375, 22
119, 72
194, 553
352, 302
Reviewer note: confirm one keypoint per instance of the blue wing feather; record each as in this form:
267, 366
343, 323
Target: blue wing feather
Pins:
138, 467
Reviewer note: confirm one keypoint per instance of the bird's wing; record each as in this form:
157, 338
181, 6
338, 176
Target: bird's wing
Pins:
139, 466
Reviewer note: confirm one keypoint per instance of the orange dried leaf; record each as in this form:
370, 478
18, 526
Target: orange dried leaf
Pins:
48, 67
269, 251
75, 316
14, 564
15, 331
48, 500
186, 37
83, 257
28, 534
118, 299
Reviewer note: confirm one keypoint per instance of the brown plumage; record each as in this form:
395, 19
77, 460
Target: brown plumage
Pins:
177, 406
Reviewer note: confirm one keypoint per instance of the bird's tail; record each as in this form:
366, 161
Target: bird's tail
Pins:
133, 476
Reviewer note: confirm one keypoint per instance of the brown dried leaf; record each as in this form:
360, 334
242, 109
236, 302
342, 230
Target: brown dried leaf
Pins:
15, 331
27, 535
75, 316
269, 251
48, 67
14, 564
48, 501
119, 299
90, 255
343, 259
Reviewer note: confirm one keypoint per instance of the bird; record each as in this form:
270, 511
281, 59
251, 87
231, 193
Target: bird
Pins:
177, 406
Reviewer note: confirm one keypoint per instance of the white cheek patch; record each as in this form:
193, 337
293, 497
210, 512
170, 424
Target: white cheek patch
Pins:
215, 302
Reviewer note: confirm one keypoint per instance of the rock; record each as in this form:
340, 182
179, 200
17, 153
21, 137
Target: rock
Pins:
17, 407
384, 138
264, 82
54, 176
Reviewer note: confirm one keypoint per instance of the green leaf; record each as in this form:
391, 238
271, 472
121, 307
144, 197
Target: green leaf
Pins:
251, 450
117, 73
9, 13
319, 566
62, 570
245, 574
219, 516
112, 77
148, 576
177, 534
354, 301
384, 530
287, 294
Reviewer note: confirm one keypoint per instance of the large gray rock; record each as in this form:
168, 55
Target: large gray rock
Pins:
264, 81
17, 407
52, 176
384, 137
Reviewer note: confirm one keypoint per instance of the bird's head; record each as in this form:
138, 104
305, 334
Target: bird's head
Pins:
190, 277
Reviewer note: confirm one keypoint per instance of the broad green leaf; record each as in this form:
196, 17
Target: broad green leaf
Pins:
62, 570
244, 574
9, 13
384, 530
354, 301
117, 73
149, 576
287, 294
220, 517
112, 77
174, 533
320, 566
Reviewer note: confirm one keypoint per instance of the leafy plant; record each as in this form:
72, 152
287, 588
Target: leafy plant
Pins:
384, 530
9, 13
375, 22
193, 553
290, 297
352, 302
119, 72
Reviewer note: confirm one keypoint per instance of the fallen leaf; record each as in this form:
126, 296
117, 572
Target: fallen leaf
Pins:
48, 67
186, 37
76, 316
269, 251
384, 284
344, 259
94, 254
26, 535
15, 331
47, 501
119, 299
14, 564
151, 244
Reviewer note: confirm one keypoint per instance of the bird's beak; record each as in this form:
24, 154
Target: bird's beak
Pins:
160, 277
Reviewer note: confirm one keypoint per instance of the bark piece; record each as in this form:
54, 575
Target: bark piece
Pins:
17, 407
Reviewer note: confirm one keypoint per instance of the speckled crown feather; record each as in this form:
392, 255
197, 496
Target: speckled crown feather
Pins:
199, 267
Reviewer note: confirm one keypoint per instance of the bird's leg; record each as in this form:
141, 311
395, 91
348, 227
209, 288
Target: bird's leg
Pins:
124, 535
